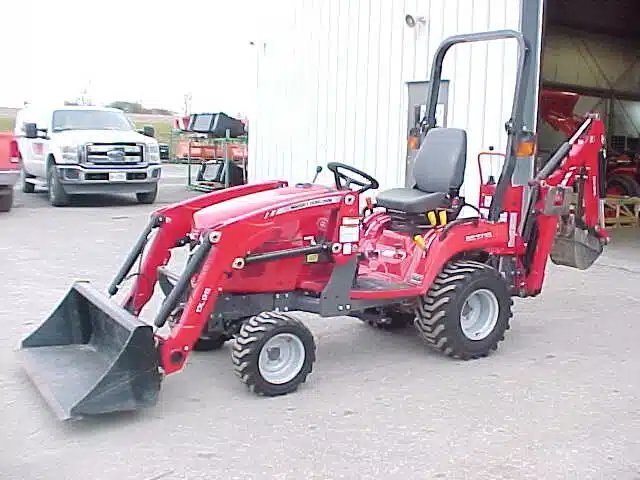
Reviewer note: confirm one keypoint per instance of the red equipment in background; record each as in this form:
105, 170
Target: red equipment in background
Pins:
9, 169
196, 148
623, 168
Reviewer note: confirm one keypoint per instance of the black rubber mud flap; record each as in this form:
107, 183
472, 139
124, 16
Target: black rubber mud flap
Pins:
91, 357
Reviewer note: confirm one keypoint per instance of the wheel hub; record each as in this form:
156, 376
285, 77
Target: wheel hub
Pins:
479, 314
273, 354
281, 358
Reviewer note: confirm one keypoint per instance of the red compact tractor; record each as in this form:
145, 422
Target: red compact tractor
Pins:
260, 252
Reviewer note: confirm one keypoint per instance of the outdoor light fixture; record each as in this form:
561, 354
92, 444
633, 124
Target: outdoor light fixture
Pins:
411, 21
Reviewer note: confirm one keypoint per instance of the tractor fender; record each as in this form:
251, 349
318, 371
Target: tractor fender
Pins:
466, 237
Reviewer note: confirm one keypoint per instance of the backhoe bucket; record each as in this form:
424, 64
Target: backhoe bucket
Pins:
91, 356
578, 249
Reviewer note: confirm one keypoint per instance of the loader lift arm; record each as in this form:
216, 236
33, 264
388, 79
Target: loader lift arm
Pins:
172, 225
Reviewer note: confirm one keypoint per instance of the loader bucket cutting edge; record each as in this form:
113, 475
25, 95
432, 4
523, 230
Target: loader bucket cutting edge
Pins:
91, 357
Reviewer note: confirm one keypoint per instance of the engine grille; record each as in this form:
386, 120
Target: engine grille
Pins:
114, 153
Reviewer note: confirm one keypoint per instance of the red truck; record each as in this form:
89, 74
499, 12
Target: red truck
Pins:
9, 169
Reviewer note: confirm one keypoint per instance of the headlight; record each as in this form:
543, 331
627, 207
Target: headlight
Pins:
70, 153
153, 153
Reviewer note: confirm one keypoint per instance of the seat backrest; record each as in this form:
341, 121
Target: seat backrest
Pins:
441, 160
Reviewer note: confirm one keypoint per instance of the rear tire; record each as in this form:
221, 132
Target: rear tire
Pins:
6, 199
466, 311
147, 197
57, 196
273, 353
624, 184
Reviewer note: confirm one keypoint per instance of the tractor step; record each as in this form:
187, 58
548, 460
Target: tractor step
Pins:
378, 284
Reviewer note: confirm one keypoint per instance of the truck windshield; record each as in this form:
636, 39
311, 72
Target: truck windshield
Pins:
89, 120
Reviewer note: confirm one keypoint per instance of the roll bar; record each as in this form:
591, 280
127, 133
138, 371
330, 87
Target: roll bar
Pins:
514, 127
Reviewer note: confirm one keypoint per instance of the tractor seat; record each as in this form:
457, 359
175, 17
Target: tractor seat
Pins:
438, 170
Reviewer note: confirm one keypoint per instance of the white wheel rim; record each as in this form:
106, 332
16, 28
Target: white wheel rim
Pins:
281, 358
479, 314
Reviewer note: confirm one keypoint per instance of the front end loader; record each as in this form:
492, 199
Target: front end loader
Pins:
258, 253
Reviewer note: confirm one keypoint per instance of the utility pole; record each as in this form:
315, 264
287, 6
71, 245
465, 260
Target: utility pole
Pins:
187, 103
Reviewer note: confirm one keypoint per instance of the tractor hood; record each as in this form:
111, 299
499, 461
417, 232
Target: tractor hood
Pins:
271, 202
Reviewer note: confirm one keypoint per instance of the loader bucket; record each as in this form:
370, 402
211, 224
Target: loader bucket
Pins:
578, 249
91, 356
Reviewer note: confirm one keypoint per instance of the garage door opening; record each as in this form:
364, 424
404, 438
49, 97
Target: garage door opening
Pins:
590, 62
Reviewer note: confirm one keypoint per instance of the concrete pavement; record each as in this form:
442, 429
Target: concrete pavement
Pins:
560, 399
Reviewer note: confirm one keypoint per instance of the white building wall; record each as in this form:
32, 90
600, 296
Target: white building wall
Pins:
331, 83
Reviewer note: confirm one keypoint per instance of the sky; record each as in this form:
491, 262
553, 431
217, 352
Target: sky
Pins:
153, 52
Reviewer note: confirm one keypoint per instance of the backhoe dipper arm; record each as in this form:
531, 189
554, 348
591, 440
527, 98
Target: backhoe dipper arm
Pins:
172, 225
576, 167
583, 167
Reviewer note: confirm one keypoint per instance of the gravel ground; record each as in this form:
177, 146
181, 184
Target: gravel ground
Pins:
559, 399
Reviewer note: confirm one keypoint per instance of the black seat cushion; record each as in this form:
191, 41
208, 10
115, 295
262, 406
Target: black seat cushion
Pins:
411, 200
438, 170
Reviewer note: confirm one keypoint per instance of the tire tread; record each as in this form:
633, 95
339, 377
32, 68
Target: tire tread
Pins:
431, 310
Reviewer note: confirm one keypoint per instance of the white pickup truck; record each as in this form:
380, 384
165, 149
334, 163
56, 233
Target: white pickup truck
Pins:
86, 150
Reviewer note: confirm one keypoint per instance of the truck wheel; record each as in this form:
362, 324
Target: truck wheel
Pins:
273, 353
147, 197
466, 311
27, 187
57, 196
6, 199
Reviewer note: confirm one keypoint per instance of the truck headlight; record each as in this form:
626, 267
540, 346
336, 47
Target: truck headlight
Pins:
153, 153
70, 153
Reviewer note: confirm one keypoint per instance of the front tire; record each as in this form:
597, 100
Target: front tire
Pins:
147, 197
57, 196
207, 343
466, 311
273, 353
27, 187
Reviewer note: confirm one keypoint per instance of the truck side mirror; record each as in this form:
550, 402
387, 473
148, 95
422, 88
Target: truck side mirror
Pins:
149, 131
30, 130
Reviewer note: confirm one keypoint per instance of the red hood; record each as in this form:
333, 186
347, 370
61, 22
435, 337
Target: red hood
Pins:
267, 202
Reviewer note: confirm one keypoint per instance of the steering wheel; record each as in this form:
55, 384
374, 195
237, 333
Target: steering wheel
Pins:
341, 177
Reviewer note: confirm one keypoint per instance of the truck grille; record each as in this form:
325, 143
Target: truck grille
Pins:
114, 153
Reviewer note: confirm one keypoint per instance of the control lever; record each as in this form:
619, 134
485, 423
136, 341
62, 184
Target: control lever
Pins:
318, 170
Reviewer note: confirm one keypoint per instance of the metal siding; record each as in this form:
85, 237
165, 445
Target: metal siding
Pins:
332, 85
